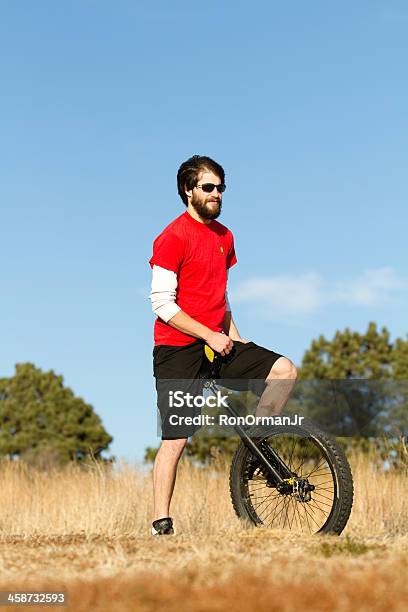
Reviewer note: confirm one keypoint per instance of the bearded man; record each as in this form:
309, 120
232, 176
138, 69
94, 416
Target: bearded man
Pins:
190, 263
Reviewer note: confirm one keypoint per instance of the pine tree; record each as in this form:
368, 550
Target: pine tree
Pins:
42, 421
354, 384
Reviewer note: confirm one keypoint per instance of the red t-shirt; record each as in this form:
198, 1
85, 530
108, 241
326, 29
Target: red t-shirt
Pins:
200, 254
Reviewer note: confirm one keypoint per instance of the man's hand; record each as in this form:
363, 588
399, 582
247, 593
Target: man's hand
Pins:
220, 343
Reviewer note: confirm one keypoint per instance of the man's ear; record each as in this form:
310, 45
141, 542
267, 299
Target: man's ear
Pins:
189, 192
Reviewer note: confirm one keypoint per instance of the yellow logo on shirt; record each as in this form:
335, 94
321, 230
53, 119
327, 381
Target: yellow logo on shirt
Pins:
222, 249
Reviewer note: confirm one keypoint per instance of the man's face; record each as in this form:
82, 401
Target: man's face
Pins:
207, 205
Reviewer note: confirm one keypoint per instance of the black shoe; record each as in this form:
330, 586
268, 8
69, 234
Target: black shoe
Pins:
163, 526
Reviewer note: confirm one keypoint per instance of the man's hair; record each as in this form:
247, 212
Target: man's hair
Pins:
187, 175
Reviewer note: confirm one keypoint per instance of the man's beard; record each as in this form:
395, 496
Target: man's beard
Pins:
201, 208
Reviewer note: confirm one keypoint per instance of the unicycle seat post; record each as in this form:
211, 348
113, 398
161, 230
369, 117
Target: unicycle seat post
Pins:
249, 442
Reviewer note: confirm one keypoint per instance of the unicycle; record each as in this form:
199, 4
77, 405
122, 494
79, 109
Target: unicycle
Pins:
294, 478
289, 477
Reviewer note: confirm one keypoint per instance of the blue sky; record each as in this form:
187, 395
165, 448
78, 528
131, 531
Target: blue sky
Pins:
304, 104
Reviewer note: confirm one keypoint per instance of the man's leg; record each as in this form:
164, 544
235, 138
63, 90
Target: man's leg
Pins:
280, 382
164, 475
176, 368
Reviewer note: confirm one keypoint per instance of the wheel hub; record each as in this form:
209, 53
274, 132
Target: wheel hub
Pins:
300, 488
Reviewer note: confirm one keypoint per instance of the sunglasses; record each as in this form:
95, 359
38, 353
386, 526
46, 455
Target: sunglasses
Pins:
209, 187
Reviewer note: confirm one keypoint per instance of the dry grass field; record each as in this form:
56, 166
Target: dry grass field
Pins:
86, 532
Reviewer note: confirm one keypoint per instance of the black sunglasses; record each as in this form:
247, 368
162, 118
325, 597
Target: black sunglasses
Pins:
209, 187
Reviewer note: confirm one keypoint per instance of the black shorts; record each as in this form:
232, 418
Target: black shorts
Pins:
246, 367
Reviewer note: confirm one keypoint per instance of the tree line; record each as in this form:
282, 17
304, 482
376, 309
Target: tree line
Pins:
354, 384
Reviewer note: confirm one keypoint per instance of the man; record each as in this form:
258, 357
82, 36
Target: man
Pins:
190, 263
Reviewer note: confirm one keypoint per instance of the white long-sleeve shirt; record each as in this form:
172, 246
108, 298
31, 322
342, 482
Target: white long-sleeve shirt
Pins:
163, 293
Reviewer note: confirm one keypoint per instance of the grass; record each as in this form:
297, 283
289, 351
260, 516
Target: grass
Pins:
347, 546
86, 532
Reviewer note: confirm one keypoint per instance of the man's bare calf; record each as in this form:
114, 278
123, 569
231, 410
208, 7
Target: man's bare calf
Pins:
164, 475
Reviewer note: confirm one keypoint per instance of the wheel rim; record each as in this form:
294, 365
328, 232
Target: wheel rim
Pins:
307, 458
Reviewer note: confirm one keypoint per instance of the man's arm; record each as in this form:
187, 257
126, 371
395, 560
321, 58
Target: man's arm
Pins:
230, 328
221, 343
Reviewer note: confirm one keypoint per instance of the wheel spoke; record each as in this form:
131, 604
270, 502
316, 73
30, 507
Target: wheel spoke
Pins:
325, 513
307, 519
310, 515
320, 495
269, 498
319, 473
316, 467
325, 482
268, 506
291, 454
293, 506
259, 496
297, 510
276, 507
287, 504
259, 488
